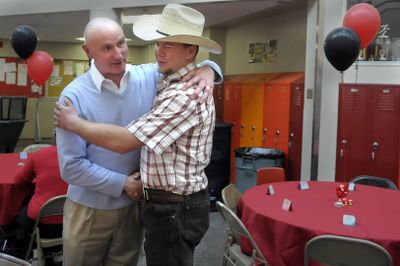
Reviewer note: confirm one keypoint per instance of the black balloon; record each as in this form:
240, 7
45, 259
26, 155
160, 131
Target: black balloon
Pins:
342, 47
24, 40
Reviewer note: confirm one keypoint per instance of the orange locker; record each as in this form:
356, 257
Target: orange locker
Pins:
219, 102
277, 110
231, 115
252, 108
243, 108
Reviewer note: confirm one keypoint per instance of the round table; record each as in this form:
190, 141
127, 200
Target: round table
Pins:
12, 196
282, 235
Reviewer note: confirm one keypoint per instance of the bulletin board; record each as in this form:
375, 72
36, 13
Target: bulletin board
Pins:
14, 79
63, 73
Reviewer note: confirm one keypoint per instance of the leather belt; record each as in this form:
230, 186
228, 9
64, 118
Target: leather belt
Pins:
160, 196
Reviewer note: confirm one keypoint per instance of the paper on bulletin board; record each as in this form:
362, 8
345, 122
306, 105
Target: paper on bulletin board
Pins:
56, 71
55, 81
11, 78
68, 68
2, 69
22, 78
11, 67
36, 89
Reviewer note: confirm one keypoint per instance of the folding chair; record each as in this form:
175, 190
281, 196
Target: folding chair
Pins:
374, 181
341, 251
233, 255
269, 175
52, 207
35, 147
8, 260
231, 196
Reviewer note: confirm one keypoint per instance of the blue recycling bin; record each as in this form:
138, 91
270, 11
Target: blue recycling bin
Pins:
249, 159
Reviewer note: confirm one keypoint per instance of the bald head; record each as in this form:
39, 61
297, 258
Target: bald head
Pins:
98, 26
105, 44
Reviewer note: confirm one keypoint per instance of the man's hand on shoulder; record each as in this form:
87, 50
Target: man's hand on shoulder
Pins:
66, 116
203, 77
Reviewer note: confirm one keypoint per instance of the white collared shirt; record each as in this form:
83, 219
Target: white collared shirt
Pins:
101, 82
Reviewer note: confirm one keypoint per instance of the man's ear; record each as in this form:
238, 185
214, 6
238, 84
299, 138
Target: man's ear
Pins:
192, 51
86, 49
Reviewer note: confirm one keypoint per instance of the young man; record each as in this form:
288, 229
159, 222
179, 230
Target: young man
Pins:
176, 136
101, 223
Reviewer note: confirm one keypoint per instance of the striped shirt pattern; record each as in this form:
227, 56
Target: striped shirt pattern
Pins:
177, 134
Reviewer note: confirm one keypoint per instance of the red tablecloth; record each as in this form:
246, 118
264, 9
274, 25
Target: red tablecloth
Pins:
282, 235
11, 196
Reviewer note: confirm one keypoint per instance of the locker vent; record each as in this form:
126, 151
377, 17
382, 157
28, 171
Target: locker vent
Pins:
269, 99
352, 103
297, 97
284, 97
385, 102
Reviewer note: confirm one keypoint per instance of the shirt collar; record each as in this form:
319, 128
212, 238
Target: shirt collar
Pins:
101, 82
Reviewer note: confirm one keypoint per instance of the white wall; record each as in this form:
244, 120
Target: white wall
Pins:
288, 28
73, 51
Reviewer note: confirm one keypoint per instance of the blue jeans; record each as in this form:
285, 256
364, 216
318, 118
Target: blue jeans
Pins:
173, 230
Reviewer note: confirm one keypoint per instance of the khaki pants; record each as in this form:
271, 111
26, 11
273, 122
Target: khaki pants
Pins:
101, 237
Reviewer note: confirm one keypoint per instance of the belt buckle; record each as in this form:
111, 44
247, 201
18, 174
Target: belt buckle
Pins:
146, 194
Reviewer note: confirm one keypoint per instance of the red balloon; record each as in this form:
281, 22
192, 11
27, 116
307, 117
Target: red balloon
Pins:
365, 20
40, 67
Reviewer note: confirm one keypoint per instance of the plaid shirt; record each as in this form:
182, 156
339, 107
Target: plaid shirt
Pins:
177, 134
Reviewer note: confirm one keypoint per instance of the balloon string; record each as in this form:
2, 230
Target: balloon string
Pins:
341, 77
356, 75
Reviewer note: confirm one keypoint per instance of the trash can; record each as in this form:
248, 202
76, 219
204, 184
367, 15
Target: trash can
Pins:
249, 159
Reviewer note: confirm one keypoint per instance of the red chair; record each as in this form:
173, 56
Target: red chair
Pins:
270, 175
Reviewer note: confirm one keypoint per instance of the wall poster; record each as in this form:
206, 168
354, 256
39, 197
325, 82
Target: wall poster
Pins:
263, 52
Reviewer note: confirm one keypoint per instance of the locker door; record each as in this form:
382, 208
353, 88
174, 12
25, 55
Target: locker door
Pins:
268, 116
219, 102
383, 142
295, 130
281, 119
251, 114
351, 139
232, 105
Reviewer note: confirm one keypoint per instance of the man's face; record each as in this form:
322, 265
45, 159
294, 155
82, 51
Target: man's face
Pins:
108, 48
172, 56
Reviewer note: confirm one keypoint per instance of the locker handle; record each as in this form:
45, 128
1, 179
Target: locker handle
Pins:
373, 156
341, 153
264, 134
375, 145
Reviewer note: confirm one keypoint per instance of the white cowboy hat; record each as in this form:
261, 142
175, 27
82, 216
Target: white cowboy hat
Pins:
177, 23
